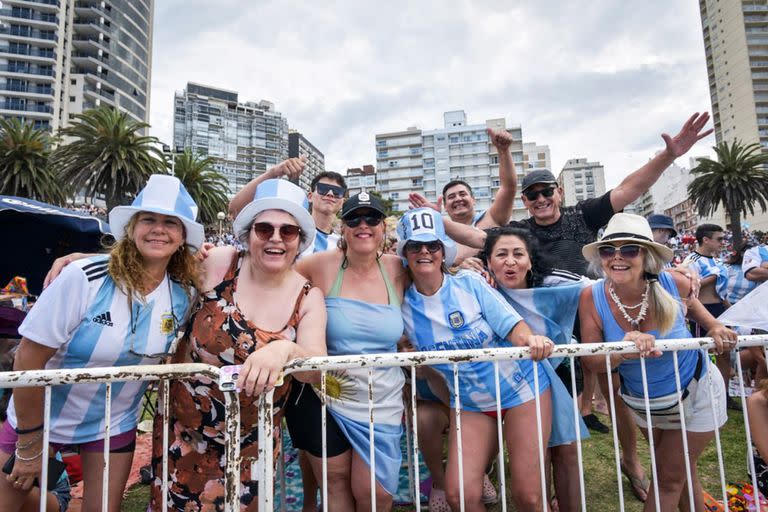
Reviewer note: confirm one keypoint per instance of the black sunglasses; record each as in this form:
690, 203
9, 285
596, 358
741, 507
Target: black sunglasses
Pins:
336, 191
415, 247
532, 195
265, 230
370, 220
627, 252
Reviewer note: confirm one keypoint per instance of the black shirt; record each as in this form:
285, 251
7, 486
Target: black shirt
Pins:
577, 226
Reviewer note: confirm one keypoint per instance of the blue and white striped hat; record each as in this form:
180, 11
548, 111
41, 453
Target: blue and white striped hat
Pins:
277, 194
166, 195
424, 225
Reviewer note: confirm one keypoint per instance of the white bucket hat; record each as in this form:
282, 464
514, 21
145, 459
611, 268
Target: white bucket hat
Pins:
166, 195
627, 227
276, 194
424, 225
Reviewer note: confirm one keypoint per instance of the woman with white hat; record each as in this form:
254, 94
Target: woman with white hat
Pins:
638, 302
443, 311
255, 311
123, 308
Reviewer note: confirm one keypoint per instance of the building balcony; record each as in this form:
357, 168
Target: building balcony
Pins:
26, 72
47, 21
92, 29
27, 34
38, 111
33, 91
91, 10
46, 56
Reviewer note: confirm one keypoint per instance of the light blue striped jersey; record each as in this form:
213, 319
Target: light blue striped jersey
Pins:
466, 313
86, 318
754, 257
738, 285
323, 242
708, 266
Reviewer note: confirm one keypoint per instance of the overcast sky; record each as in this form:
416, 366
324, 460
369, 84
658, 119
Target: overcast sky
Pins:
597, 79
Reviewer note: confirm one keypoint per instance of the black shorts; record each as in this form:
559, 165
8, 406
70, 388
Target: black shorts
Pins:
715, 310
564, 372
303, 416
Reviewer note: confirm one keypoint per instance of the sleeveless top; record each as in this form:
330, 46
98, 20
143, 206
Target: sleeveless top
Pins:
358, 327
660, 370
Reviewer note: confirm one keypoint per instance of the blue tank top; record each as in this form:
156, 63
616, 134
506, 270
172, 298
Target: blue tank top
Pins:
660, 370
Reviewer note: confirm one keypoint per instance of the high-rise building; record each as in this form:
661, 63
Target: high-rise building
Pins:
61, 57
736, 49
580, 180
359, 179
425, 161
299, 146
245, 139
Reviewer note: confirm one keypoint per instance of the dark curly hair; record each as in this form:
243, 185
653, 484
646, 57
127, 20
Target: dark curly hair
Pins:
541, 264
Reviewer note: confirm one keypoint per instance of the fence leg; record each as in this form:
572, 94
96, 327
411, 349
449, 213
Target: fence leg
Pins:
232, 452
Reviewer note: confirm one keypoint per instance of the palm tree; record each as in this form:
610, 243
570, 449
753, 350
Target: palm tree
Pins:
24, 170
106, 154
737, 180
206, 186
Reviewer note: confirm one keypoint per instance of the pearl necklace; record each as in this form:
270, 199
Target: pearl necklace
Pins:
643, 305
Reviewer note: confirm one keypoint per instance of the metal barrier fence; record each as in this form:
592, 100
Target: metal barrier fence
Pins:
410, 360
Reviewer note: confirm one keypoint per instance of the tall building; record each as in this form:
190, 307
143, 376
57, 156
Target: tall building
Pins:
580, 180
299, 146
424, 161
359, 179
736, 49
61, 57
245, 139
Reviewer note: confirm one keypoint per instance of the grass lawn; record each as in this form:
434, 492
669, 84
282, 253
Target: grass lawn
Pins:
600, 473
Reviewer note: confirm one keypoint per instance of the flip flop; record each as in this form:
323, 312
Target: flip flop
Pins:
490, 495
639, 485
437, 501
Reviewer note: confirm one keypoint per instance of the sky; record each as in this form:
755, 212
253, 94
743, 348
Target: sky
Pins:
599, 79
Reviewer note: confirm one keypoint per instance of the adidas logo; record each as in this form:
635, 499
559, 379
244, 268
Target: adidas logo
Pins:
104, 319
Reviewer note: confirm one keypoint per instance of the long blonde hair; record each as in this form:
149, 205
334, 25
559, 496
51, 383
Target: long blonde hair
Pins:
665, 307
126, 266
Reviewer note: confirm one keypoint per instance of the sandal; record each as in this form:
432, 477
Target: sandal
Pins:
437, 501
639, 485
490, 495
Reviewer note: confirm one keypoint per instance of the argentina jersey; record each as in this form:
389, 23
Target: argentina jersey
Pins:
754, 257
466, 313
708, 266
86, 318
323, 242
738, 284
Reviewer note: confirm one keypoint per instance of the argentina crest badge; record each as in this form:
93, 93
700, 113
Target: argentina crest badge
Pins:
456, 319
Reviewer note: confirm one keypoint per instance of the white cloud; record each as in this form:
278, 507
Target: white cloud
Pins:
600, 79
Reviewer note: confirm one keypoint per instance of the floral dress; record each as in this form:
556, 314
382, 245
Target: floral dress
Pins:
218, 335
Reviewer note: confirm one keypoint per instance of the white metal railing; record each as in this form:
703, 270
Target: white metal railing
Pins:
263, 469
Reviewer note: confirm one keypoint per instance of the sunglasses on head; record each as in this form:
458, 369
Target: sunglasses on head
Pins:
336, 191
415, 247
627, 252
532, 195
265, 230
371, 220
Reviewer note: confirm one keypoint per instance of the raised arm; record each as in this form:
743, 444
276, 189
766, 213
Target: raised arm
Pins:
501, 210
461, 233
293, 167
633, 186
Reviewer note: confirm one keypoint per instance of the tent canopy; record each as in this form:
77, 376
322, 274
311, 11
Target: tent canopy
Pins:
34, 234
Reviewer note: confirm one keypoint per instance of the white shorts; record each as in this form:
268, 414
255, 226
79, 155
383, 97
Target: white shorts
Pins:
699, 419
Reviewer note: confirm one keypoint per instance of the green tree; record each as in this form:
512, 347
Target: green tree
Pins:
24, 170
737, 181
389, 204
206, 185
105, 153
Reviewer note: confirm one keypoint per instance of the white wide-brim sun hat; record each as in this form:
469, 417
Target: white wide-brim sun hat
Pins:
166, 195
424, 225
627, 227
277, 194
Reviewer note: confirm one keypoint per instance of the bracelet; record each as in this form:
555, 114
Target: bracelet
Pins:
21, 431
23, 446
27, 459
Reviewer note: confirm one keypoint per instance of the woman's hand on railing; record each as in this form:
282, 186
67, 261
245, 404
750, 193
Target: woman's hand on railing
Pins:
263, 368
645, 343
725, 338
541, 346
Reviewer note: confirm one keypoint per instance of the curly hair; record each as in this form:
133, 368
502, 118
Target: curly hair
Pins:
541, 264
126, 266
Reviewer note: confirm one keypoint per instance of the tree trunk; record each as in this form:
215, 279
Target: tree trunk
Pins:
735, 215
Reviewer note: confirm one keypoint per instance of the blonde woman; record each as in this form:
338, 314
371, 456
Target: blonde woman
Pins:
123, 308
638, 302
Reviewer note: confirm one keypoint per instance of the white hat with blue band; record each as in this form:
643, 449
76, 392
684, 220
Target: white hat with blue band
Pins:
165, 195
277, 194
424, 225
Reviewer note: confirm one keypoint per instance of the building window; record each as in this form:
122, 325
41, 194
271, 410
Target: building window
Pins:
72, 99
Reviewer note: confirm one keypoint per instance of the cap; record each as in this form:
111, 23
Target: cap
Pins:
538, 176
360, 201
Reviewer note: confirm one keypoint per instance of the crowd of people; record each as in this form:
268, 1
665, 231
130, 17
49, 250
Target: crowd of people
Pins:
290, 284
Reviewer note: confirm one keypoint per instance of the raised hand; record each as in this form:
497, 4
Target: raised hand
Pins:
291, 168
499, 138
417, 200
689, 135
